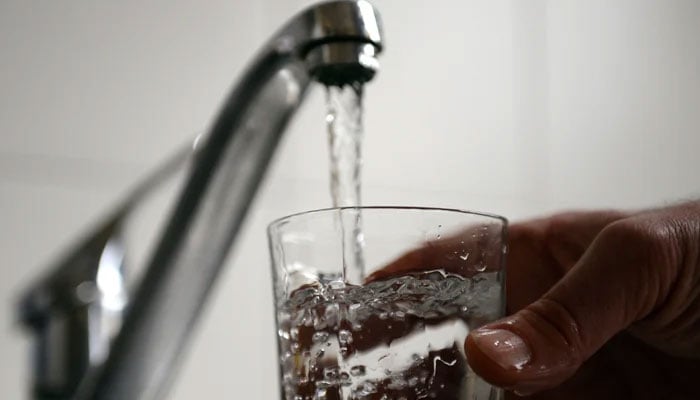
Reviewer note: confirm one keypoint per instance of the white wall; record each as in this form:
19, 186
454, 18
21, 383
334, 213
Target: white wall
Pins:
513, 107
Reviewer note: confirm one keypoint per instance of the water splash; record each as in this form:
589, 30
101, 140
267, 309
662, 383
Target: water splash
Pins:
414, 352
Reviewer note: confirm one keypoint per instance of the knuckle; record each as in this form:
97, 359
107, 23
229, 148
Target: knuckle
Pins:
647, 238
648, 248
559, 225
562, 228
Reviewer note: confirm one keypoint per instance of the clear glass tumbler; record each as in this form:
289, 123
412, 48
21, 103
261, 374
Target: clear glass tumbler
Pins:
376, 302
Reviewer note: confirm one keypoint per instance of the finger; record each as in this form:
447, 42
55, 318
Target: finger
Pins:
541, 251
474, 249
622, 276
413, 261
569, 234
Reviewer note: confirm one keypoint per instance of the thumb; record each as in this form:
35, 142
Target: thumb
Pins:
616, 282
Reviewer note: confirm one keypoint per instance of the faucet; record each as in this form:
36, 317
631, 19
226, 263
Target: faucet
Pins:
97, 340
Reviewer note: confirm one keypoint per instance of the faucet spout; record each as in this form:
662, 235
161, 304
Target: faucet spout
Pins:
334, 43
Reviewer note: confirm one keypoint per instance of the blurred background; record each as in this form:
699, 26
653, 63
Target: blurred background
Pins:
512, 107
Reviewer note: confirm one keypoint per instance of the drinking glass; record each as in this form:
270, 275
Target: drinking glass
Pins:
376, 302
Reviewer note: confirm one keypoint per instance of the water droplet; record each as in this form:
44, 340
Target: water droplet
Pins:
358, 370
336, 285
344, 379
368, 388
464, 256
480, 267
344, 337
330, 373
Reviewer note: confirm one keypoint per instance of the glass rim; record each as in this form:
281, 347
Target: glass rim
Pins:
289, 217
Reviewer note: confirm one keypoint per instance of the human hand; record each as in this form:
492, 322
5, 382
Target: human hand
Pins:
606, 306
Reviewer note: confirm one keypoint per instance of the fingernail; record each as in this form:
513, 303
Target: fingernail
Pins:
503, 347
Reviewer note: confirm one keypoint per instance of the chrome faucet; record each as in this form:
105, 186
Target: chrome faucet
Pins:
94, 340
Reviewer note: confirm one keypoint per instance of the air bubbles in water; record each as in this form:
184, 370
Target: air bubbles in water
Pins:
329, 359
320, 336
337, 284
330, 373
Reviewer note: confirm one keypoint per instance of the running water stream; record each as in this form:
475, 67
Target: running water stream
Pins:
344, 122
